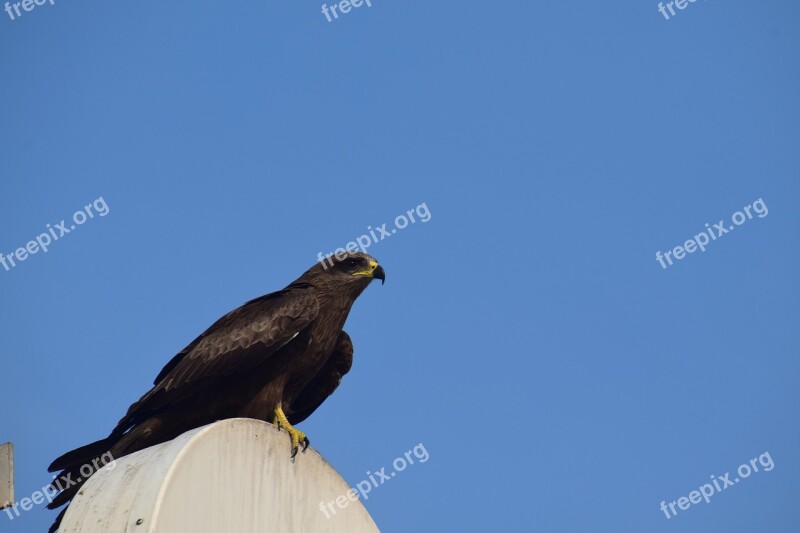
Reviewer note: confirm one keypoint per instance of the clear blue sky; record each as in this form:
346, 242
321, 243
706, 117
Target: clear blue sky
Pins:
558, 376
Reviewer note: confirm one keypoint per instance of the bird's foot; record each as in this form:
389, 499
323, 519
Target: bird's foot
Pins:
297, 436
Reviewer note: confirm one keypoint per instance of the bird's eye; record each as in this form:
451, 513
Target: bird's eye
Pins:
352, 263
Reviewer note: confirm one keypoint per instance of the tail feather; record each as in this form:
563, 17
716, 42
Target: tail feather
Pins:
84, 454
57, 523
68, 489
71, 478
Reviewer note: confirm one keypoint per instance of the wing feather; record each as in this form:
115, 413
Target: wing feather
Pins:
324, 382
236, 343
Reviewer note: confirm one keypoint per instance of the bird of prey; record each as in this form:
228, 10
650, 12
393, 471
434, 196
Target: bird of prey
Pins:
276, 358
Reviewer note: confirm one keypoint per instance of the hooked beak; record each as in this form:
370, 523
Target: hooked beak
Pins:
375, 271
378, 273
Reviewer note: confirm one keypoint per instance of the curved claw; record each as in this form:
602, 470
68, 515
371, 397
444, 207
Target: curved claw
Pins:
297, 436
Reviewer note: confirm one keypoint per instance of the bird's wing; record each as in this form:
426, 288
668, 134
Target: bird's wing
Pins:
324, 382
236, 343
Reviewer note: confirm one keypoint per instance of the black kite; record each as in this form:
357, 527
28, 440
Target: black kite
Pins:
276, 358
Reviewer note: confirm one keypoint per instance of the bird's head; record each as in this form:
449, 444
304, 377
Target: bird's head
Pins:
349, 271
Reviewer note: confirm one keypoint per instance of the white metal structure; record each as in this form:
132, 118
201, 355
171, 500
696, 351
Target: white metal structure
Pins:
233, 476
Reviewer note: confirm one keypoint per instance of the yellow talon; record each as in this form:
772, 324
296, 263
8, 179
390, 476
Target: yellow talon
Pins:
296, 435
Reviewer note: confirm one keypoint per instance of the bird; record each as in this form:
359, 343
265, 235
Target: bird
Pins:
276, 358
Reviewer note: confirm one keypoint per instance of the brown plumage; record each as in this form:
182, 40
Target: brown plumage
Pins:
283, 352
